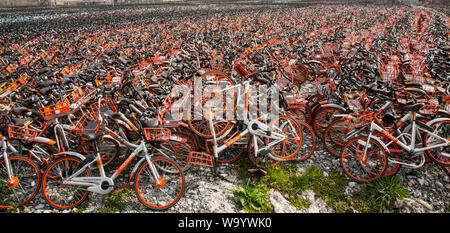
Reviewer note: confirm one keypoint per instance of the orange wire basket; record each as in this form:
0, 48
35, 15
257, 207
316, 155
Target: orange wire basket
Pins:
79, 97
244, 66
18, 132
325, 85
157, 134
354, 100
88, 123
105, 105
199, 158
360, 118
57, 110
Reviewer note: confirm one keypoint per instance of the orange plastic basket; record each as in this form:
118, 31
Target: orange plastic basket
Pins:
18, 132
157, 134
57, 110
199, 158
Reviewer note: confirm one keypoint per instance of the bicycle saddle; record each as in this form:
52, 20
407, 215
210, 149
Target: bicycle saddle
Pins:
413, 107
20, 121
91, 136
149, 123
20, 110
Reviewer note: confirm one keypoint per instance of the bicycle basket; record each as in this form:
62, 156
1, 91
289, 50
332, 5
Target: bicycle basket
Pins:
244, 67
88, 123
157, 134
55, 111
199, 158
18, 132
360, 119
105, 105
354, 100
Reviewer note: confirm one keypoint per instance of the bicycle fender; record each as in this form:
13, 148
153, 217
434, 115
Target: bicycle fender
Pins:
429, 123
47, 141
71, 153
178, 139
120, 122
333, 106
110, 137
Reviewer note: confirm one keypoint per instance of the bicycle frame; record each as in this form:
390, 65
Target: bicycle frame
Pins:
6, 145
96, 184
411, 148
260, 126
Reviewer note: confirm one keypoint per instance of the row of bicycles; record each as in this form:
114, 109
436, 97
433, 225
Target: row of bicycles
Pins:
80, 110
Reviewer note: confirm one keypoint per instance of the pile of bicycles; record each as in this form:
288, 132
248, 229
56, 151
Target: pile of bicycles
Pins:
155, 92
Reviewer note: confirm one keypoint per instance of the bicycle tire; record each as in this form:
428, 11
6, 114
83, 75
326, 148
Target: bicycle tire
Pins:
26, 174
370, 167
52, 180
142, 191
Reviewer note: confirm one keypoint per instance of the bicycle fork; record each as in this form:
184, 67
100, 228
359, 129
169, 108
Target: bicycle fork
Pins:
10, 182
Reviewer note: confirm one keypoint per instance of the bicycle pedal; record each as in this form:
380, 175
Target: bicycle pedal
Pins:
257, 171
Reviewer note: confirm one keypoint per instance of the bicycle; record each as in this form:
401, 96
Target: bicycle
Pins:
277, 139
67, 181
364, 158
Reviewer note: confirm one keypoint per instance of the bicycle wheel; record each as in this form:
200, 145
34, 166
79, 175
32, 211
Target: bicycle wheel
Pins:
165, 193
334, 136
322, 119
394, 152
308, 143
109, 149
216, 81
363, 167
440, 155
259, 160
205, 106
289, 147
24, 184
178, 151
55, 192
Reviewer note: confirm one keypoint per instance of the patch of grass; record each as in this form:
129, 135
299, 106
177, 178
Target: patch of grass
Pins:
291, 183
299, 203
385, 191
253, 198
80, 208
114, 201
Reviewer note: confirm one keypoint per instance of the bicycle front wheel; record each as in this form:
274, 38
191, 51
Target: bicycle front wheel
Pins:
363, 160
164, 191
56, 193
22, 186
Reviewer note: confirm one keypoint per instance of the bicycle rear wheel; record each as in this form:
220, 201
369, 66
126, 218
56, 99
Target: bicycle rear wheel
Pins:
209, 105
323, 118
24, 184
439, 155
167, 191
55, 192
360, 166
